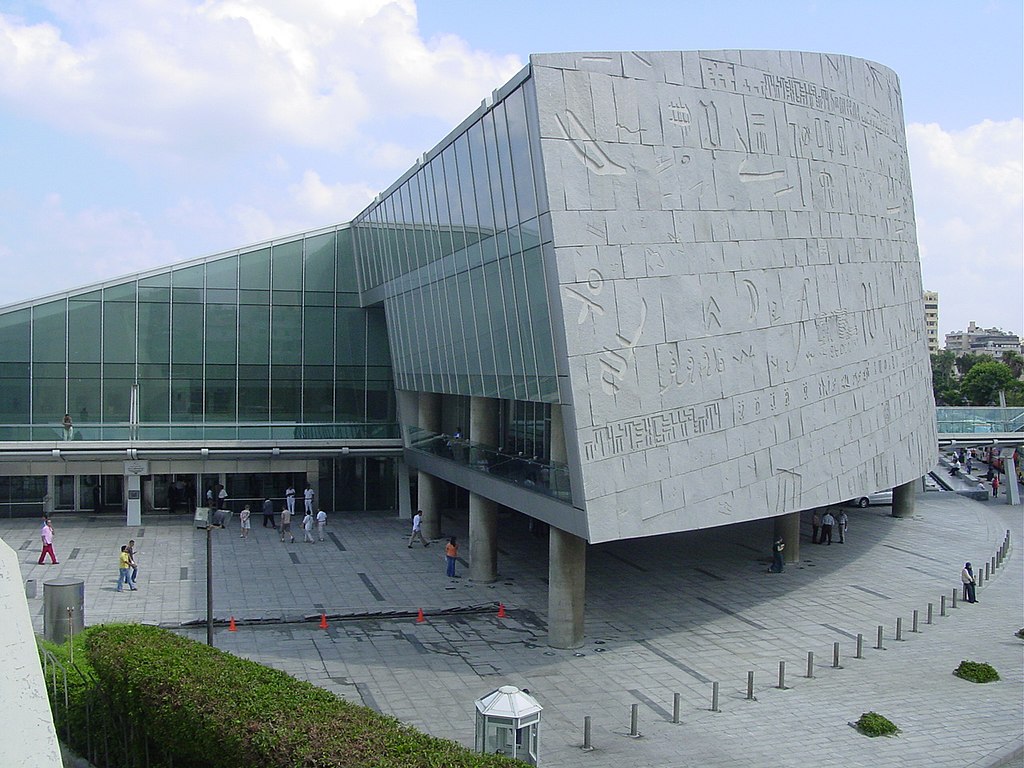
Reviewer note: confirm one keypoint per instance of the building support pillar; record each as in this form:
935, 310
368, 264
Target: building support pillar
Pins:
567, 586
903, 500
1012, 488
788, 527
483, 539
428, 487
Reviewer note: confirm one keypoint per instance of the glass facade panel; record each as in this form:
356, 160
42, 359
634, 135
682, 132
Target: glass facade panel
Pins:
253, 338
448, 247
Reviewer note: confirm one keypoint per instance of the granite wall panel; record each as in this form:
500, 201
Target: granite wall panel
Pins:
739, 283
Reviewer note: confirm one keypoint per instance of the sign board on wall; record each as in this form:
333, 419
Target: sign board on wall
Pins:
136, 467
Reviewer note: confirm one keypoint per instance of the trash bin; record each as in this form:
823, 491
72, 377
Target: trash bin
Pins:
63, 608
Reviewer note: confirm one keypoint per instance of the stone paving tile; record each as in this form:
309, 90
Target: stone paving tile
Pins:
664, 616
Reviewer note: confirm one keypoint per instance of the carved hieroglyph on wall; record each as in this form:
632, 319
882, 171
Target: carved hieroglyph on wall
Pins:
754, 309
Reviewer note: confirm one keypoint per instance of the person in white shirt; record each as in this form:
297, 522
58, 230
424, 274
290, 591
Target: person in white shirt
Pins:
321, 523
308, 496
827, 521
289, 498
416, 532
307, 528
843, 523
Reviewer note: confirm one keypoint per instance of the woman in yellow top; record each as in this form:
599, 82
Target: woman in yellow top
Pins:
124, 567
451, 551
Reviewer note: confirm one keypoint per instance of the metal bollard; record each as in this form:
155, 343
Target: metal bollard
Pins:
899, 628
980, 580
835, 655
942, 606
954, 595
914, 627
587, 745
675, 707
810, 664
931, 608
782, 676
860, 646
987, 573
878, 646
714, 698
993, 565
750, 686
634, 717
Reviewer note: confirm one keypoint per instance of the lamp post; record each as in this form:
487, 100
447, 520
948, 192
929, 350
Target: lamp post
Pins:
216, 521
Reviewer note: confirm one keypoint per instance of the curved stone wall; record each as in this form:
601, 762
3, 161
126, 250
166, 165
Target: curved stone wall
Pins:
738, 283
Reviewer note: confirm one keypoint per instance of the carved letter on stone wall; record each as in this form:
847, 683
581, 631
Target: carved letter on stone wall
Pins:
586, 149
594, 285
714, 136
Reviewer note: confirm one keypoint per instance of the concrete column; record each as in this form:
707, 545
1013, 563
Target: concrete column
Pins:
483, 421
903, 498
788, 527
1012, 489
483, 539
133, 494
567, 587
428, 487
483, 513
404, 503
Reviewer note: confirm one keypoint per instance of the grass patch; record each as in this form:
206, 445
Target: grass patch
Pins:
976, 672
873, 724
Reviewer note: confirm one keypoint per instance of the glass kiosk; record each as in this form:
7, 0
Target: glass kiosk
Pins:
508, 723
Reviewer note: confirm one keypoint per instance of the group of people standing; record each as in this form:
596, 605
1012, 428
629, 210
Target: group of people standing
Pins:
282, 522
823, 525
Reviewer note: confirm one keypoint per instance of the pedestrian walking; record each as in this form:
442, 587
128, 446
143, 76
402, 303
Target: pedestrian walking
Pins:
46, 534
815, 526
321, 523
416, 533
124, 562
243, 522
451, 551
289, 498
826, 527
133, 565
286, 525
268, 514
777, 563
843, 522
969, 582
307, 496
307, 528
969, 463
995, 484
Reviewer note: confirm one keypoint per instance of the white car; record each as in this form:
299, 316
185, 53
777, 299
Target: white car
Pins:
878, 497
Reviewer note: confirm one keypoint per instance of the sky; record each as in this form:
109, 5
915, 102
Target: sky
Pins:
137, 134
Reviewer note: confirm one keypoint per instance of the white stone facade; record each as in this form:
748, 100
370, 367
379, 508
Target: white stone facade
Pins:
738, 283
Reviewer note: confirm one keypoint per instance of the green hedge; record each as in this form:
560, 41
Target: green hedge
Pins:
873, 724
976, 671
202, 707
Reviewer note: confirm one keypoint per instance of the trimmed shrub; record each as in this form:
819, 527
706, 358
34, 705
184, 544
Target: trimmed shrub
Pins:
976, 672
199, 706
873, 724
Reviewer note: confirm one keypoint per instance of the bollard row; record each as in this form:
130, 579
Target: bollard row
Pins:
634, 715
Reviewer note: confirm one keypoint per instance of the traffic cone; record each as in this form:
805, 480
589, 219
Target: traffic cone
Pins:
501, 611
419, 617
323, 621
231, 625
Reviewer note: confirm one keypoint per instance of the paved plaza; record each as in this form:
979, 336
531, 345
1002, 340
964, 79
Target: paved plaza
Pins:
668, 615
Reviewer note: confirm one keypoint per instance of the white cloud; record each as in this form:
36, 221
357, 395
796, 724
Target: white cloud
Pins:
222, 76
969, 198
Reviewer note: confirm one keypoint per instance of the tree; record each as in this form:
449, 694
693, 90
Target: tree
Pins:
1016, 363
968, 360
945, 386
983, 382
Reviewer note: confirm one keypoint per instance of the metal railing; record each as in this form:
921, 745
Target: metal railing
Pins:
547, 477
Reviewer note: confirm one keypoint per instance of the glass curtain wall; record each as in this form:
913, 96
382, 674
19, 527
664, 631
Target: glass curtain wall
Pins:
457, 249
265, 343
